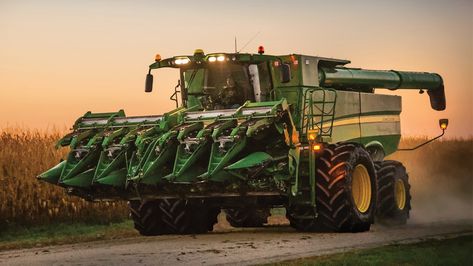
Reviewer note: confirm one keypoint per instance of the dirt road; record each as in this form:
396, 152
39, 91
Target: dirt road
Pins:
227, 246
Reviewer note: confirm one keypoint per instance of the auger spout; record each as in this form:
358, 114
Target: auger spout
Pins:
355, 78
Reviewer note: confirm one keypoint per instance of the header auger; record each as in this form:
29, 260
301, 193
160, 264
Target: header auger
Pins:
252, 132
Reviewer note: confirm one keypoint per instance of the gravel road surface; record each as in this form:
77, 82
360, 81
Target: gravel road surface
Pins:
227, 246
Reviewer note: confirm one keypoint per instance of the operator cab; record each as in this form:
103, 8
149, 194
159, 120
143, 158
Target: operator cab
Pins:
219, 81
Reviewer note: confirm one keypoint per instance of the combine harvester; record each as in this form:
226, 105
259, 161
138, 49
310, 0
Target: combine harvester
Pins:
252, 132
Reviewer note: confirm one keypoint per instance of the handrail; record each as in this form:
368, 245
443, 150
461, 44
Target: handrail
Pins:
174, 95
316, 112
310, 109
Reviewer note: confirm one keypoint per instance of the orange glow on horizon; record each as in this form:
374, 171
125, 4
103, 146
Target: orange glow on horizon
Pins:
75, 67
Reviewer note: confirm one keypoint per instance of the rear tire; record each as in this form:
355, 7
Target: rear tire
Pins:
394, 198
247, 217
345, 192
172, 216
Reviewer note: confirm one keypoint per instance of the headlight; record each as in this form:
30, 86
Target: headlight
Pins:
181, 61
219, 58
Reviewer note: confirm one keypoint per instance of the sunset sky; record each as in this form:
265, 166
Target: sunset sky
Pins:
59, 59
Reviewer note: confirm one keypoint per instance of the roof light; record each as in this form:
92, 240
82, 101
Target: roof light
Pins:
157, 58
212, 59
221, 58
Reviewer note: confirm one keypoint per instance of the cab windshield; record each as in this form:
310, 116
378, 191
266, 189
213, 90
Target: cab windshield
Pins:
226, 85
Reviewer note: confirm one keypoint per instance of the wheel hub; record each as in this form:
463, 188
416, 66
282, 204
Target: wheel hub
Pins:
400, 194
361, 188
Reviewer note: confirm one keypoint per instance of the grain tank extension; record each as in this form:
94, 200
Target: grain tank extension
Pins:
252, 132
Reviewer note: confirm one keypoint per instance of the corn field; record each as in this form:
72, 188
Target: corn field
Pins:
25, 201
440, 168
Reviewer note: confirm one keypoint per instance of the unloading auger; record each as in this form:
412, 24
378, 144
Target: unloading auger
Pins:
252, 132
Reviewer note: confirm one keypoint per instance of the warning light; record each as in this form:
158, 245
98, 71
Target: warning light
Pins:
157, 58
199, 52
443, 123
294, 60
260, 49
312, 136
316, 147
198, 56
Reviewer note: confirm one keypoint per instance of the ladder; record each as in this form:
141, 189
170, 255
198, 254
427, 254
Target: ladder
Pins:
318, 112
317, 115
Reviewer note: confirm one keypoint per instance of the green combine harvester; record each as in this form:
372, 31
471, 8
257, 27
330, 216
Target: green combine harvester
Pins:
252, 132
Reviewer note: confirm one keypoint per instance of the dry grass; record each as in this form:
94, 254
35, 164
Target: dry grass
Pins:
25, 201
441, 176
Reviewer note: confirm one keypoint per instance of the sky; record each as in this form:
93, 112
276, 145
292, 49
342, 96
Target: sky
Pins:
59, 59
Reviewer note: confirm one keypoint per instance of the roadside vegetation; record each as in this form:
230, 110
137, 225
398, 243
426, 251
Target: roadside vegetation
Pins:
455, 251
47, 235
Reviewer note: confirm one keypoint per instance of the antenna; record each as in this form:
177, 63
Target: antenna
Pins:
252, 38
236, 50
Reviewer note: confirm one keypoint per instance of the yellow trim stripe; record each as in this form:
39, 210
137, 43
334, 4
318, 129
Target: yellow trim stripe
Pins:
364, 120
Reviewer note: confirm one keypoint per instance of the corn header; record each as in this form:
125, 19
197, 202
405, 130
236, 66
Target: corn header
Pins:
252, 132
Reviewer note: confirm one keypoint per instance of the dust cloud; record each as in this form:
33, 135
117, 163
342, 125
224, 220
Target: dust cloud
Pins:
441, 177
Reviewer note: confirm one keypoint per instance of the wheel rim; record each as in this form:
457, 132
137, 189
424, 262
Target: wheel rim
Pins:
400, 192
361, 188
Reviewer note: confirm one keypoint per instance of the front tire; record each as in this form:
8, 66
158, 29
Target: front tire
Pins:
146, 217
172, 216
247, 217
345, 192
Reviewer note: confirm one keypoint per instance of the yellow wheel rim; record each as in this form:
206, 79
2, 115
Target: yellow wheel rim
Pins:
400, 192
361, 188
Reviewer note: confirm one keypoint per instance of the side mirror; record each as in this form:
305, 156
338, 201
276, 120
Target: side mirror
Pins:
443, 123
285, 73
149, 83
